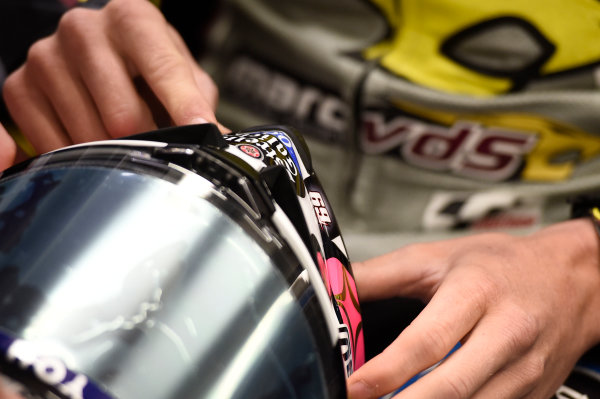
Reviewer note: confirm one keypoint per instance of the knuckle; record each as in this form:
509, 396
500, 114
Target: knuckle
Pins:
435, 341
11, 87
40, 54
75, 21
76, 32
486, 287
119, 12
533, 370
126, 13
457, 387
523, 329
481, 292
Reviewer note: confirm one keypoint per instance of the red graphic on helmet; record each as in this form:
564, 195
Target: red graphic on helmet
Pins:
251, 151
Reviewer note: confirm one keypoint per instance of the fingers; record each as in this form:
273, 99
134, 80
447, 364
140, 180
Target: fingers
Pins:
449, 316
33, 113
6, 392
203, 80
515, 381
416, 270
101, 69
413, 271
468, 369
521, 378
77, 85
8, 149
65, 91
508, 300
143, 37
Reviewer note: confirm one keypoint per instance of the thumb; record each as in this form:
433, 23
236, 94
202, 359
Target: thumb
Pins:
413, 271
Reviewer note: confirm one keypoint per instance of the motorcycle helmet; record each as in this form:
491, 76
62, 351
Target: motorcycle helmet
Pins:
178, 263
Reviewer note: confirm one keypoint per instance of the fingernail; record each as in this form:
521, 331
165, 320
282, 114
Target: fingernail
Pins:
198, 121
360, 389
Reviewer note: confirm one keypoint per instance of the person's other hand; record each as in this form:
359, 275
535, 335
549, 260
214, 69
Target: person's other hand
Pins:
6, 391
524, 308
78, 84
8, 149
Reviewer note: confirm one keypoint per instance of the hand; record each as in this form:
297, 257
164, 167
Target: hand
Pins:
8, 149
6, 392
524, 308
77, 85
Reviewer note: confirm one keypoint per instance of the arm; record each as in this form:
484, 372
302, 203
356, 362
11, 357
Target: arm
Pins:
524, 308
77, 84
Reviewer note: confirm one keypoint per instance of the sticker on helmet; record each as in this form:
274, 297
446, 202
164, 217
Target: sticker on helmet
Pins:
50, 371
251, 150
275, 147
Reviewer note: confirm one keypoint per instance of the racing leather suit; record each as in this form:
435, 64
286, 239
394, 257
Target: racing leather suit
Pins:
432, 118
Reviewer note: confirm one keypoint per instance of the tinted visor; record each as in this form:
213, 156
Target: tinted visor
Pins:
149, 287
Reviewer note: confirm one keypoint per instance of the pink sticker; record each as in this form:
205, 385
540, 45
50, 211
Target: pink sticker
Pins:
344, 291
